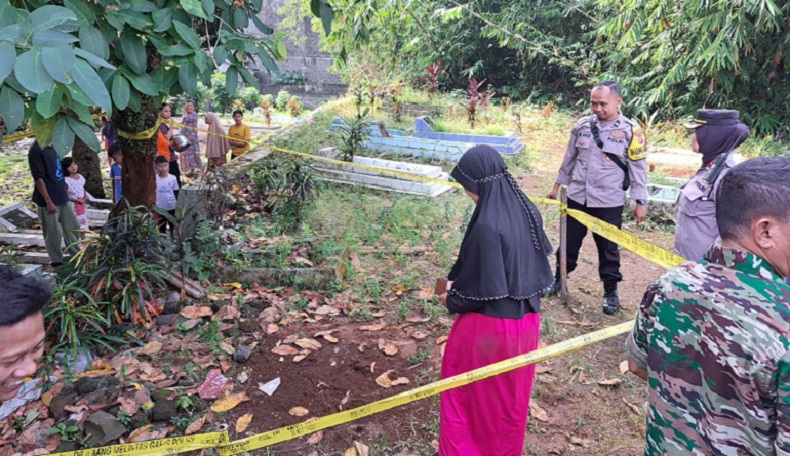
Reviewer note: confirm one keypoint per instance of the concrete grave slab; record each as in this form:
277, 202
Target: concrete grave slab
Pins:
16, 217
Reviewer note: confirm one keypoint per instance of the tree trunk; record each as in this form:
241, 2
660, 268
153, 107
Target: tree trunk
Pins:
90, 168
138, 178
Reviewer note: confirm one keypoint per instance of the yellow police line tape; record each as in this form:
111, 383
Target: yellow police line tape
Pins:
29, 133
219, 440
642, 248
172, 445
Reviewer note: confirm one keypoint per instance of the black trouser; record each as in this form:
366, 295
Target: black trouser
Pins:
608, 252
176, 171
163, 223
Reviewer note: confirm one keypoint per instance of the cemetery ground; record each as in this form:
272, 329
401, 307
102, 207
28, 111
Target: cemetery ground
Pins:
362, 326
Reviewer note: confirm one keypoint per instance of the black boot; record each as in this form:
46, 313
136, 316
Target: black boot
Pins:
553, 290
611, 302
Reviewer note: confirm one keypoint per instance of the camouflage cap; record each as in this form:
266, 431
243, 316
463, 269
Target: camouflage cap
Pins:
714, 117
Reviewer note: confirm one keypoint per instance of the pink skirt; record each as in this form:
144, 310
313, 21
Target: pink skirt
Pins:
488, 417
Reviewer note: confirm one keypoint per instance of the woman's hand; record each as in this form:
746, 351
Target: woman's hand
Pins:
449, 285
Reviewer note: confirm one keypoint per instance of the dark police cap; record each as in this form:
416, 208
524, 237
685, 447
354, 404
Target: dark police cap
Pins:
714, 117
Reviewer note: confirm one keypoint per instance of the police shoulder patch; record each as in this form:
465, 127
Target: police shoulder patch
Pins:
637, 150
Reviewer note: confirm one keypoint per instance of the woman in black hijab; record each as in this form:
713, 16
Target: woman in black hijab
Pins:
715, 134
495, 287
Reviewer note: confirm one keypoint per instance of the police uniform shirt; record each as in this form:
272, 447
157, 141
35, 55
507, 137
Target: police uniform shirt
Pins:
592, 177
696, 228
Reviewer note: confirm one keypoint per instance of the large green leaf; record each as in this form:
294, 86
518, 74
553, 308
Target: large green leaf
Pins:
263, 28
58, 61
43, 128
82, 10
248, 77
257, 4
62, 137
90, 83
187, 76
92, 59
49, 103
134, 52
203, 62
266, 60
134, 101
165, 78
141, 82
240, 18
137, 20
176, 50
315, 7
30, 72
7, 59
142, 6
188, 35
81, 110
163, 20
85, 133
48, 17
7, 14
220, 55
194, 8
12, 108
116, 19
120, 92
78, 95
326, 17
280, 51
53, 38
10, 32
231, 80
208, 6
92, 40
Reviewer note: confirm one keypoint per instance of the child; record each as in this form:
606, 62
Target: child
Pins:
115, 171
75, 188
240, 145
166, 186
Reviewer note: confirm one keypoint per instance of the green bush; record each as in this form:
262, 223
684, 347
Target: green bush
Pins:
250, 96
290, 77
281, 103
221, 100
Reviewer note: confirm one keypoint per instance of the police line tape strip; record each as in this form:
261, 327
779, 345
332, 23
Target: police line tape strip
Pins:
299, 430
174, 445
30, 133
639, 246
628, 241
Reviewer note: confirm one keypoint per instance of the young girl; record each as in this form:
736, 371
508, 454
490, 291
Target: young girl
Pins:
75, 187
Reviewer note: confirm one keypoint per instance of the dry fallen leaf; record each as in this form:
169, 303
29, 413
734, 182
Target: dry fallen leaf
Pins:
351, 452
538, 412
582, 442
152, 348
419, 335
624, 367
611, 382
227, 312
285, 350
228, 402
315, 438
227, 348
441, 340
299, 358
192, 312
390, 349
378, 314
331, 339
271, 328
376, 327
632, 407
47, 397
384, 380
298, 411
243, 422
345, 400
425, 293
311, 344
362, 449
541, 369
197, 425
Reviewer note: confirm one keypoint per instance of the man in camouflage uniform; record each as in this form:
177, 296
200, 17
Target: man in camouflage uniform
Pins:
605, 152
712, 337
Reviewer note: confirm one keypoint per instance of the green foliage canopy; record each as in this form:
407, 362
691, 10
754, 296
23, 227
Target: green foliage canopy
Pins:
59, 61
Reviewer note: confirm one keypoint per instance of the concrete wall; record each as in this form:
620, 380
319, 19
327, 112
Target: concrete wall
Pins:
304, 58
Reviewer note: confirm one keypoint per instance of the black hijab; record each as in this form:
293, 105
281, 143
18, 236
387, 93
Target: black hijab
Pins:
715, 140
505, 250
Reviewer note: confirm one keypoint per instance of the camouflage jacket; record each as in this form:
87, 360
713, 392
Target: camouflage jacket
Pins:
714, 337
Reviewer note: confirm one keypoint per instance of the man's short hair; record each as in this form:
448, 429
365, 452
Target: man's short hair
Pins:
159, 160
21, 296
613, 86
756, 188
238, 112
114, 150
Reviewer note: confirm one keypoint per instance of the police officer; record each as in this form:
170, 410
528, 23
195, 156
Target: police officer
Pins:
715, 134
605, 156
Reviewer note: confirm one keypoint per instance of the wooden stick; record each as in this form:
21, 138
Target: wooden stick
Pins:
564, 293
189, 286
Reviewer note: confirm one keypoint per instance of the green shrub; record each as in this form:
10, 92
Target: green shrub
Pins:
281, 103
